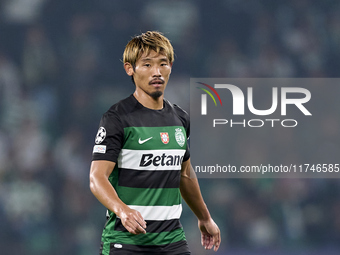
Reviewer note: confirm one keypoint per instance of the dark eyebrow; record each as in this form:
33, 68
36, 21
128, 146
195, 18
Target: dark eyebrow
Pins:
145, 59
149, 59
163, 59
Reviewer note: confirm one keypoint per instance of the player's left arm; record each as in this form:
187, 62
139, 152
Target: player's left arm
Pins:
190, 191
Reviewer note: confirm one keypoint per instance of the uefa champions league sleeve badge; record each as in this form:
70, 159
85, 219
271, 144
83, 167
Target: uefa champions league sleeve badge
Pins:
100, 135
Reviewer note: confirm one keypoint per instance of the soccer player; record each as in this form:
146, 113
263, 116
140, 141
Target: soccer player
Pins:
141, 162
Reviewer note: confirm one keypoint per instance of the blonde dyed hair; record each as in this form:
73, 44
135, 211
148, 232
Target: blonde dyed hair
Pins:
144, 43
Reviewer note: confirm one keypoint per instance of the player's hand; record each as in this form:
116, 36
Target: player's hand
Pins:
210, 234
133, 221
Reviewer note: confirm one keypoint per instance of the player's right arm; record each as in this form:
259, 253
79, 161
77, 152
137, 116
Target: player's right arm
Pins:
102, 189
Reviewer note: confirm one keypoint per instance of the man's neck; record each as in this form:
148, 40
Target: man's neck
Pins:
148, 101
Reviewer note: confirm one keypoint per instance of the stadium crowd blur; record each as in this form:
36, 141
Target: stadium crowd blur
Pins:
60, 69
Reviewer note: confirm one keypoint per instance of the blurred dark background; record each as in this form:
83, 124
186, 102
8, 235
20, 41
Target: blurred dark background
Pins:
61, 69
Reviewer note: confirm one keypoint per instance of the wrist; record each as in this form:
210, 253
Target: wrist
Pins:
205, 217
205, 220
119, 209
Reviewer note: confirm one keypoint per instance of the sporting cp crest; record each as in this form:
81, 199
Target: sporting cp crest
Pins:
180, 138
165, 137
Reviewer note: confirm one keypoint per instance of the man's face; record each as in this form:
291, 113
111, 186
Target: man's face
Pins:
151, 74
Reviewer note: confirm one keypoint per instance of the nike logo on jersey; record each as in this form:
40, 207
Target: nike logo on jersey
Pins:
145, 140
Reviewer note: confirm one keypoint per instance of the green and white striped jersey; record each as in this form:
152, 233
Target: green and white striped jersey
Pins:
148, 147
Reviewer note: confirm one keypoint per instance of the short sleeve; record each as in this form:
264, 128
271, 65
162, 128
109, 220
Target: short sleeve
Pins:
185, 119
109, 138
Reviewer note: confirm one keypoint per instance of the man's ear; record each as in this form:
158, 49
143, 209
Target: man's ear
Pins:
128, 69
